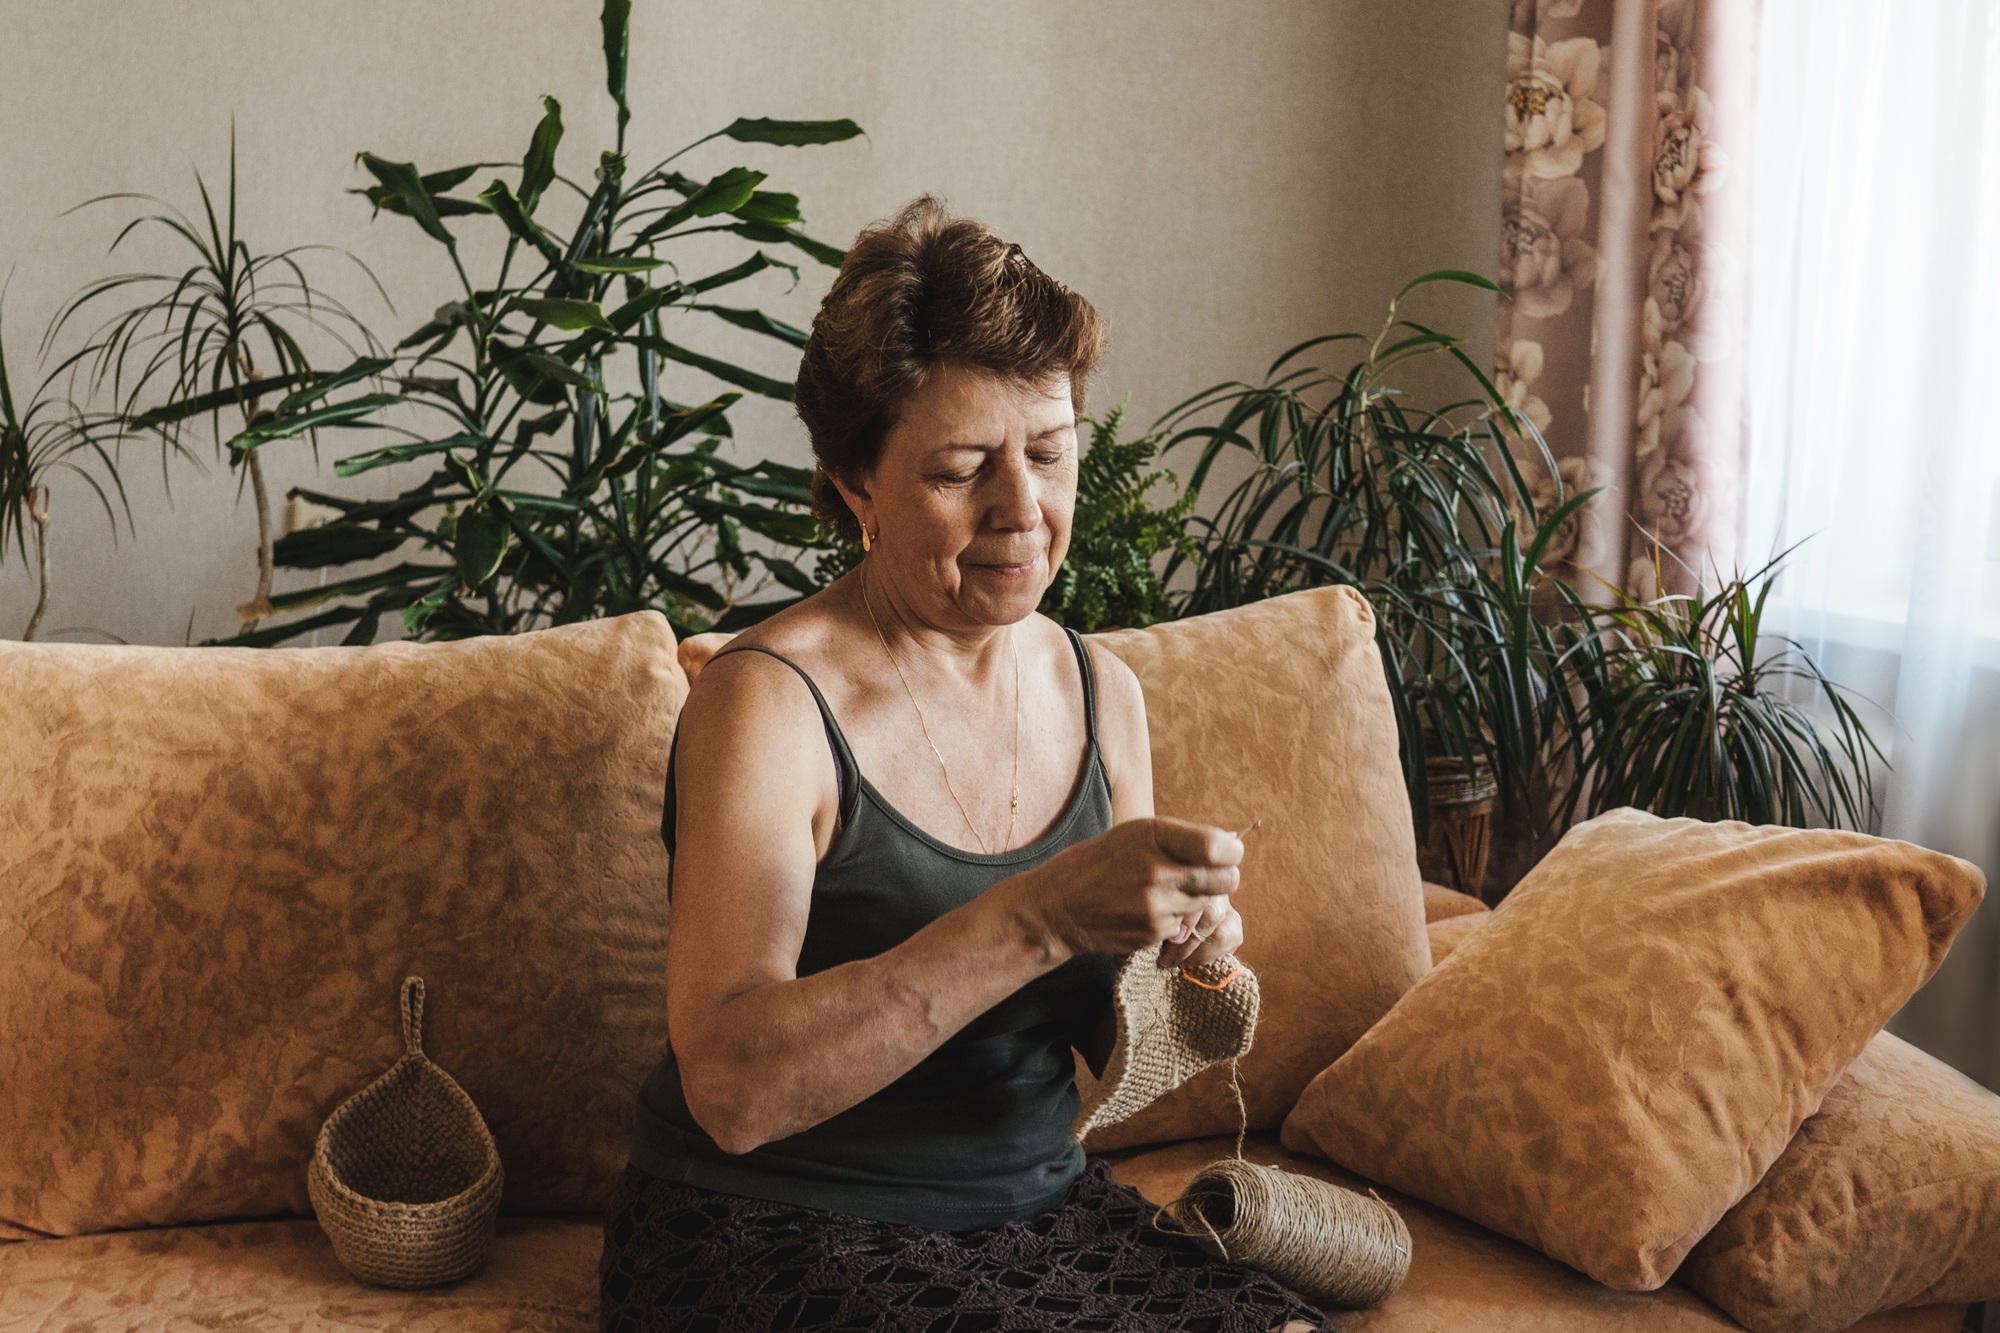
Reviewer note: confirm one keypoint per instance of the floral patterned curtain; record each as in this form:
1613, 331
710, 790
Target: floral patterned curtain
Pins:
1624, 234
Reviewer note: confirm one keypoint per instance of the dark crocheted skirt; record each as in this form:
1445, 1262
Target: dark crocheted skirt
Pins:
681, 1260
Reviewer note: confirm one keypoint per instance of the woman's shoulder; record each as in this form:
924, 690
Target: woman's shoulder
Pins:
1117, 686
757, 679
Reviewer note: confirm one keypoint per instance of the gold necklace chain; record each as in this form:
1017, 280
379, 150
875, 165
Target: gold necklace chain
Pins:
1014, 792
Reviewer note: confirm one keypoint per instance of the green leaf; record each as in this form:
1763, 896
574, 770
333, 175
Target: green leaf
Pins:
789, 528
618, 264
337, 543
617, 23
536, 376
181, 409
402, 181
735, 273
480, 546
363, 368
788, 574
508, 209
723, 193
791, 133
564, 313
387, 201
769, 206
820, 250
355, 464
548, 504
538, 168
387, 578
333, 414
757, 322
687, 420
722, 370
270, 636
437, 182
751, 484
1448, 275
418, 613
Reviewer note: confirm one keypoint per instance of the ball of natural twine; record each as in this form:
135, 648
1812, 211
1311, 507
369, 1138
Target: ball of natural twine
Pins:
1329, 1243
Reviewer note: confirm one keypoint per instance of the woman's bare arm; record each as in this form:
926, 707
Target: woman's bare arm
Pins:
765, 1053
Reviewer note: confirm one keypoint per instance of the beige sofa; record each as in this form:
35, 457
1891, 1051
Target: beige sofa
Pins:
215, 865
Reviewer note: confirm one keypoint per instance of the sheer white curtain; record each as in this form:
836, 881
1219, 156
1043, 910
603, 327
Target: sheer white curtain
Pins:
1874, 377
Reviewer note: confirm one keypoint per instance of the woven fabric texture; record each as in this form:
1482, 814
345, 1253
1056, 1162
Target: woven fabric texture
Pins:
1172, 1024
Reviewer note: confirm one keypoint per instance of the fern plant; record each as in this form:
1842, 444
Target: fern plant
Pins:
1108, 580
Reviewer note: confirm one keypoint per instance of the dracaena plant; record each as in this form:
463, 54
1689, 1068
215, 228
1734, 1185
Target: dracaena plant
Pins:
1691, 705
565, 484
1345, 480
43, 432
214, 348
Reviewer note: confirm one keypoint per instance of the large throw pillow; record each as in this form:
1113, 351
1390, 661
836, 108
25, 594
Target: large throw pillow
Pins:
1279, 711
216, 865
1448, 934
1888, 1197
1613, 1058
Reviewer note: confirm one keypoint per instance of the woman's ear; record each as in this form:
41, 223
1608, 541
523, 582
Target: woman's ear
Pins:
854, 490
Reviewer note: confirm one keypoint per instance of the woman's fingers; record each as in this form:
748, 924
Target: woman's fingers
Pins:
1203, 882
1193, 844
1214, 931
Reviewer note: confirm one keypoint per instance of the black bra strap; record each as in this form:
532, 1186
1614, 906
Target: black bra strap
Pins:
846, 773
1089, 684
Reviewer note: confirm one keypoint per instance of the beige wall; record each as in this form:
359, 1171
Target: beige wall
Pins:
1222, 179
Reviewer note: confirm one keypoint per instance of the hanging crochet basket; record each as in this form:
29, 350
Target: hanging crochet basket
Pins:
405, 1178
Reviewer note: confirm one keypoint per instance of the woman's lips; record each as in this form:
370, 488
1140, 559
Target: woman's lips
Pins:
1015, 570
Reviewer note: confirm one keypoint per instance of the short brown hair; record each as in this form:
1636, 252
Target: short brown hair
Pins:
918, 291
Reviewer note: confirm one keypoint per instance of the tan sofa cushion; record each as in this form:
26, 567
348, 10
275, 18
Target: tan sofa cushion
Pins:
1889, 1196
1463, 1277
217, 864
1613, 1059
1448, 934
1279, 711
1441, 903
281, 1277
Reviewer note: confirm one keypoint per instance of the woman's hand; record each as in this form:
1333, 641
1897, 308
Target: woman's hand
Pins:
1146, 881
1216, 932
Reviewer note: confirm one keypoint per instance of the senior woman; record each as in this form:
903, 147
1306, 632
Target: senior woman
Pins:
913, 834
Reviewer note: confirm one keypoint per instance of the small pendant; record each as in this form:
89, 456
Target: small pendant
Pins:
1014, 800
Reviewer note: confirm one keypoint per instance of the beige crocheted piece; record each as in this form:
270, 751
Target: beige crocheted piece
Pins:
1172, 1024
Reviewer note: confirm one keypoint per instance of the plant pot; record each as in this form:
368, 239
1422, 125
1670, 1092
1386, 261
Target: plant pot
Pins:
1461, 832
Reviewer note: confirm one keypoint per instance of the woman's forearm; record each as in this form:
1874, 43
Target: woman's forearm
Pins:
783, 1056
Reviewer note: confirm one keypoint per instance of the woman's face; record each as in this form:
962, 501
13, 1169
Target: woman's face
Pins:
969, 503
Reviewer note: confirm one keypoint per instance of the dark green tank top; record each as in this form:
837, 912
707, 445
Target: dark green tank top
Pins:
978, 1132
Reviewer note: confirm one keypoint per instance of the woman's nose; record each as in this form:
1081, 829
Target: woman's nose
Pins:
1014, 504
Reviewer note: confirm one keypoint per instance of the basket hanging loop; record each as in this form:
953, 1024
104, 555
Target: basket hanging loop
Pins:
413, 1015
